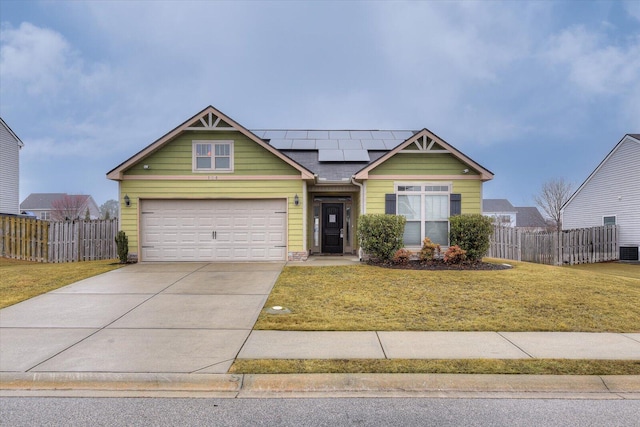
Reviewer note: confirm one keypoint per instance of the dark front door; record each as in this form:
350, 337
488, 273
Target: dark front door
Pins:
332, 228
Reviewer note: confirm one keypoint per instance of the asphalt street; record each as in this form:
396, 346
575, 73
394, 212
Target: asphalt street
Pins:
317, 412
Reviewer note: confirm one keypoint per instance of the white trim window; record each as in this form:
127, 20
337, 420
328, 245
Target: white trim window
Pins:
426, 208
214, 156
609, 220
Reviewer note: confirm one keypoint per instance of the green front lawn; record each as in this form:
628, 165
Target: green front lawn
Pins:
21, 280
529, 297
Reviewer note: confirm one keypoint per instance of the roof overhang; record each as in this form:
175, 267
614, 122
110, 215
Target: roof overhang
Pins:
207, 119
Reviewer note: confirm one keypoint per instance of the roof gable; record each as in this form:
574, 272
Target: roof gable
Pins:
426, 142
630, 137
12, 133
209, 119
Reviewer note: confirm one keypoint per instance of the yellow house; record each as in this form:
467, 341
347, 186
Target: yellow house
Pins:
212, 190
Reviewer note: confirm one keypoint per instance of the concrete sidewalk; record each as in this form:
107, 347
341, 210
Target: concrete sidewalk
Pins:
440, 345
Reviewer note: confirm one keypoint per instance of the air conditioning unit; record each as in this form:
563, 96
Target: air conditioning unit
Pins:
629, 253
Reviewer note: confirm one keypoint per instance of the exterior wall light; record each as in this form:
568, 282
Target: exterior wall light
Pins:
296, 200
127, 200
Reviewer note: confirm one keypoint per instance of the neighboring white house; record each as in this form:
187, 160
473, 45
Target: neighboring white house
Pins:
501, 211
611, 196
10, 146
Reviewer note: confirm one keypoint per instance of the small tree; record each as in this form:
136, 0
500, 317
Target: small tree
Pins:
109, 209
381, 235
471, 232
122, 244
553, 195
67, 208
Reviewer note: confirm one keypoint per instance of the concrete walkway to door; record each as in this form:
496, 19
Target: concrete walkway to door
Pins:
148, 317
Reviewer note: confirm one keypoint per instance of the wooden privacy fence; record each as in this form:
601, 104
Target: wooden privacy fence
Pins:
577, 246
68, 241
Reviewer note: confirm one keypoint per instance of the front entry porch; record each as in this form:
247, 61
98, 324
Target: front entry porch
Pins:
332, 225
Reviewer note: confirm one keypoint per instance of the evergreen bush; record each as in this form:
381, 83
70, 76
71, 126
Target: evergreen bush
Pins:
471, 232
381, 235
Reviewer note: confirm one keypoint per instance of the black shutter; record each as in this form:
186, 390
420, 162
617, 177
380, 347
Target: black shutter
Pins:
455, 204
390, 204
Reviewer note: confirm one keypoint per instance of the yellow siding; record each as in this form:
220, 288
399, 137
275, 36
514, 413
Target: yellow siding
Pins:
186, 189
471, 191
421, 164
175, 158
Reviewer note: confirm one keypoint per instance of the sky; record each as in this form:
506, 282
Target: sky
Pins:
531, 90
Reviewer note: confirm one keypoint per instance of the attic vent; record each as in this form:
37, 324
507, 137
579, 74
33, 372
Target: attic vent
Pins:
629, 253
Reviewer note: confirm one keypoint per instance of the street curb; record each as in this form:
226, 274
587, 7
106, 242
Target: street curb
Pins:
320, 385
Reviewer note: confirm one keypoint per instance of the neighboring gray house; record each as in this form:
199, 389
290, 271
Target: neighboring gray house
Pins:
611, 196
10, 146
504, 213
529, 218
500, 210
42, 205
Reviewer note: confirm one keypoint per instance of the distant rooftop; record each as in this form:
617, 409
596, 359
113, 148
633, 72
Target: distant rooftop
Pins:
497, 205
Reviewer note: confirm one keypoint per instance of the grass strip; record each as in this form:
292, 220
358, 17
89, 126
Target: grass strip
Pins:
433, 366
21, 280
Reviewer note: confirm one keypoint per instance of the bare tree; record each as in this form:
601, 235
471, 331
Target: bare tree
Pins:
68, 207
553, 195
109, 209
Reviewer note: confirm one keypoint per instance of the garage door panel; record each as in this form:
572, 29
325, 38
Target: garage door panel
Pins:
175, 230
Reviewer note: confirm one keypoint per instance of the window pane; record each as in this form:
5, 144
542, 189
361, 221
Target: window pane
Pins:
412, 234
203, 163
436, 207
222, 163
409, 206
609, 220
437, 231
409, 188
203, 149
222, 149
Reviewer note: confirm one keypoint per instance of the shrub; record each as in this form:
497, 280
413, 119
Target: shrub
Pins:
402, 256
455, 255
122, 244
471, 232
380, 235
429, 250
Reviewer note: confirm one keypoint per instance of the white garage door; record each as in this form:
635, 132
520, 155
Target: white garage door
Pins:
213, 230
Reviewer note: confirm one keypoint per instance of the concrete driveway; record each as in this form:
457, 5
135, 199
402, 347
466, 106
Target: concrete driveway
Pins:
151, 318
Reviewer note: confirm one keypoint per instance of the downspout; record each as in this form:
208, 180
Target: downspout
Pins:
362, 208
304, 218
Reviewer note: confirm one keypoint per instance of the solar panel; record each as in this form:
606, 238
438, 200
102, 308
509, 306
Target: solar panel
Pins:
381, 134
373, 144
360, 134
349, 144
318, 134
274, 134
281, 144
258, 133
391, 143
303, 144
330, 156
356, 155
339, 134
296, 134
402, 134
327, 144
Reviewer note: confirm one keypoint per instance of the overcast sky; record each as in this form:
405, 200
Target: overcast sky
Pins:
530, 90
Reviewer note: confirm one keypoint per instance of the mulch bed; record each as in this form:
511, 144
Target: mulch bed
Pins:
441, 265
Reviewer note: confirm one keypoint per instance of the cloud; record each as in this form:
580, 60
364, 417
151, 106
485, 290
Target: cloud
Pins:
633, 8
39, 61
593, 63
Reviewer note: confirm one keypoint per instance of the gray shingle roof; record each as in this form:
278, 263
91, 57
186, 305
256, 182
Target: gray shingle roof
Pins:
529, 216
39, 201
497, 205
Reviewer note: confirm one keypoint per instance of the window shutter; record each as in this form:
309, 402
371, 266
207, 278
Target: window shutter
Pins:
455, 204
390, 204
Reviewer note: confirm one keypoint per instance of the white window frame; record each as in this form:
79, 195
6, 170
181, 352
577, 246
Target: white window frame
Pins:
615, 219
422, 192
213, 143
